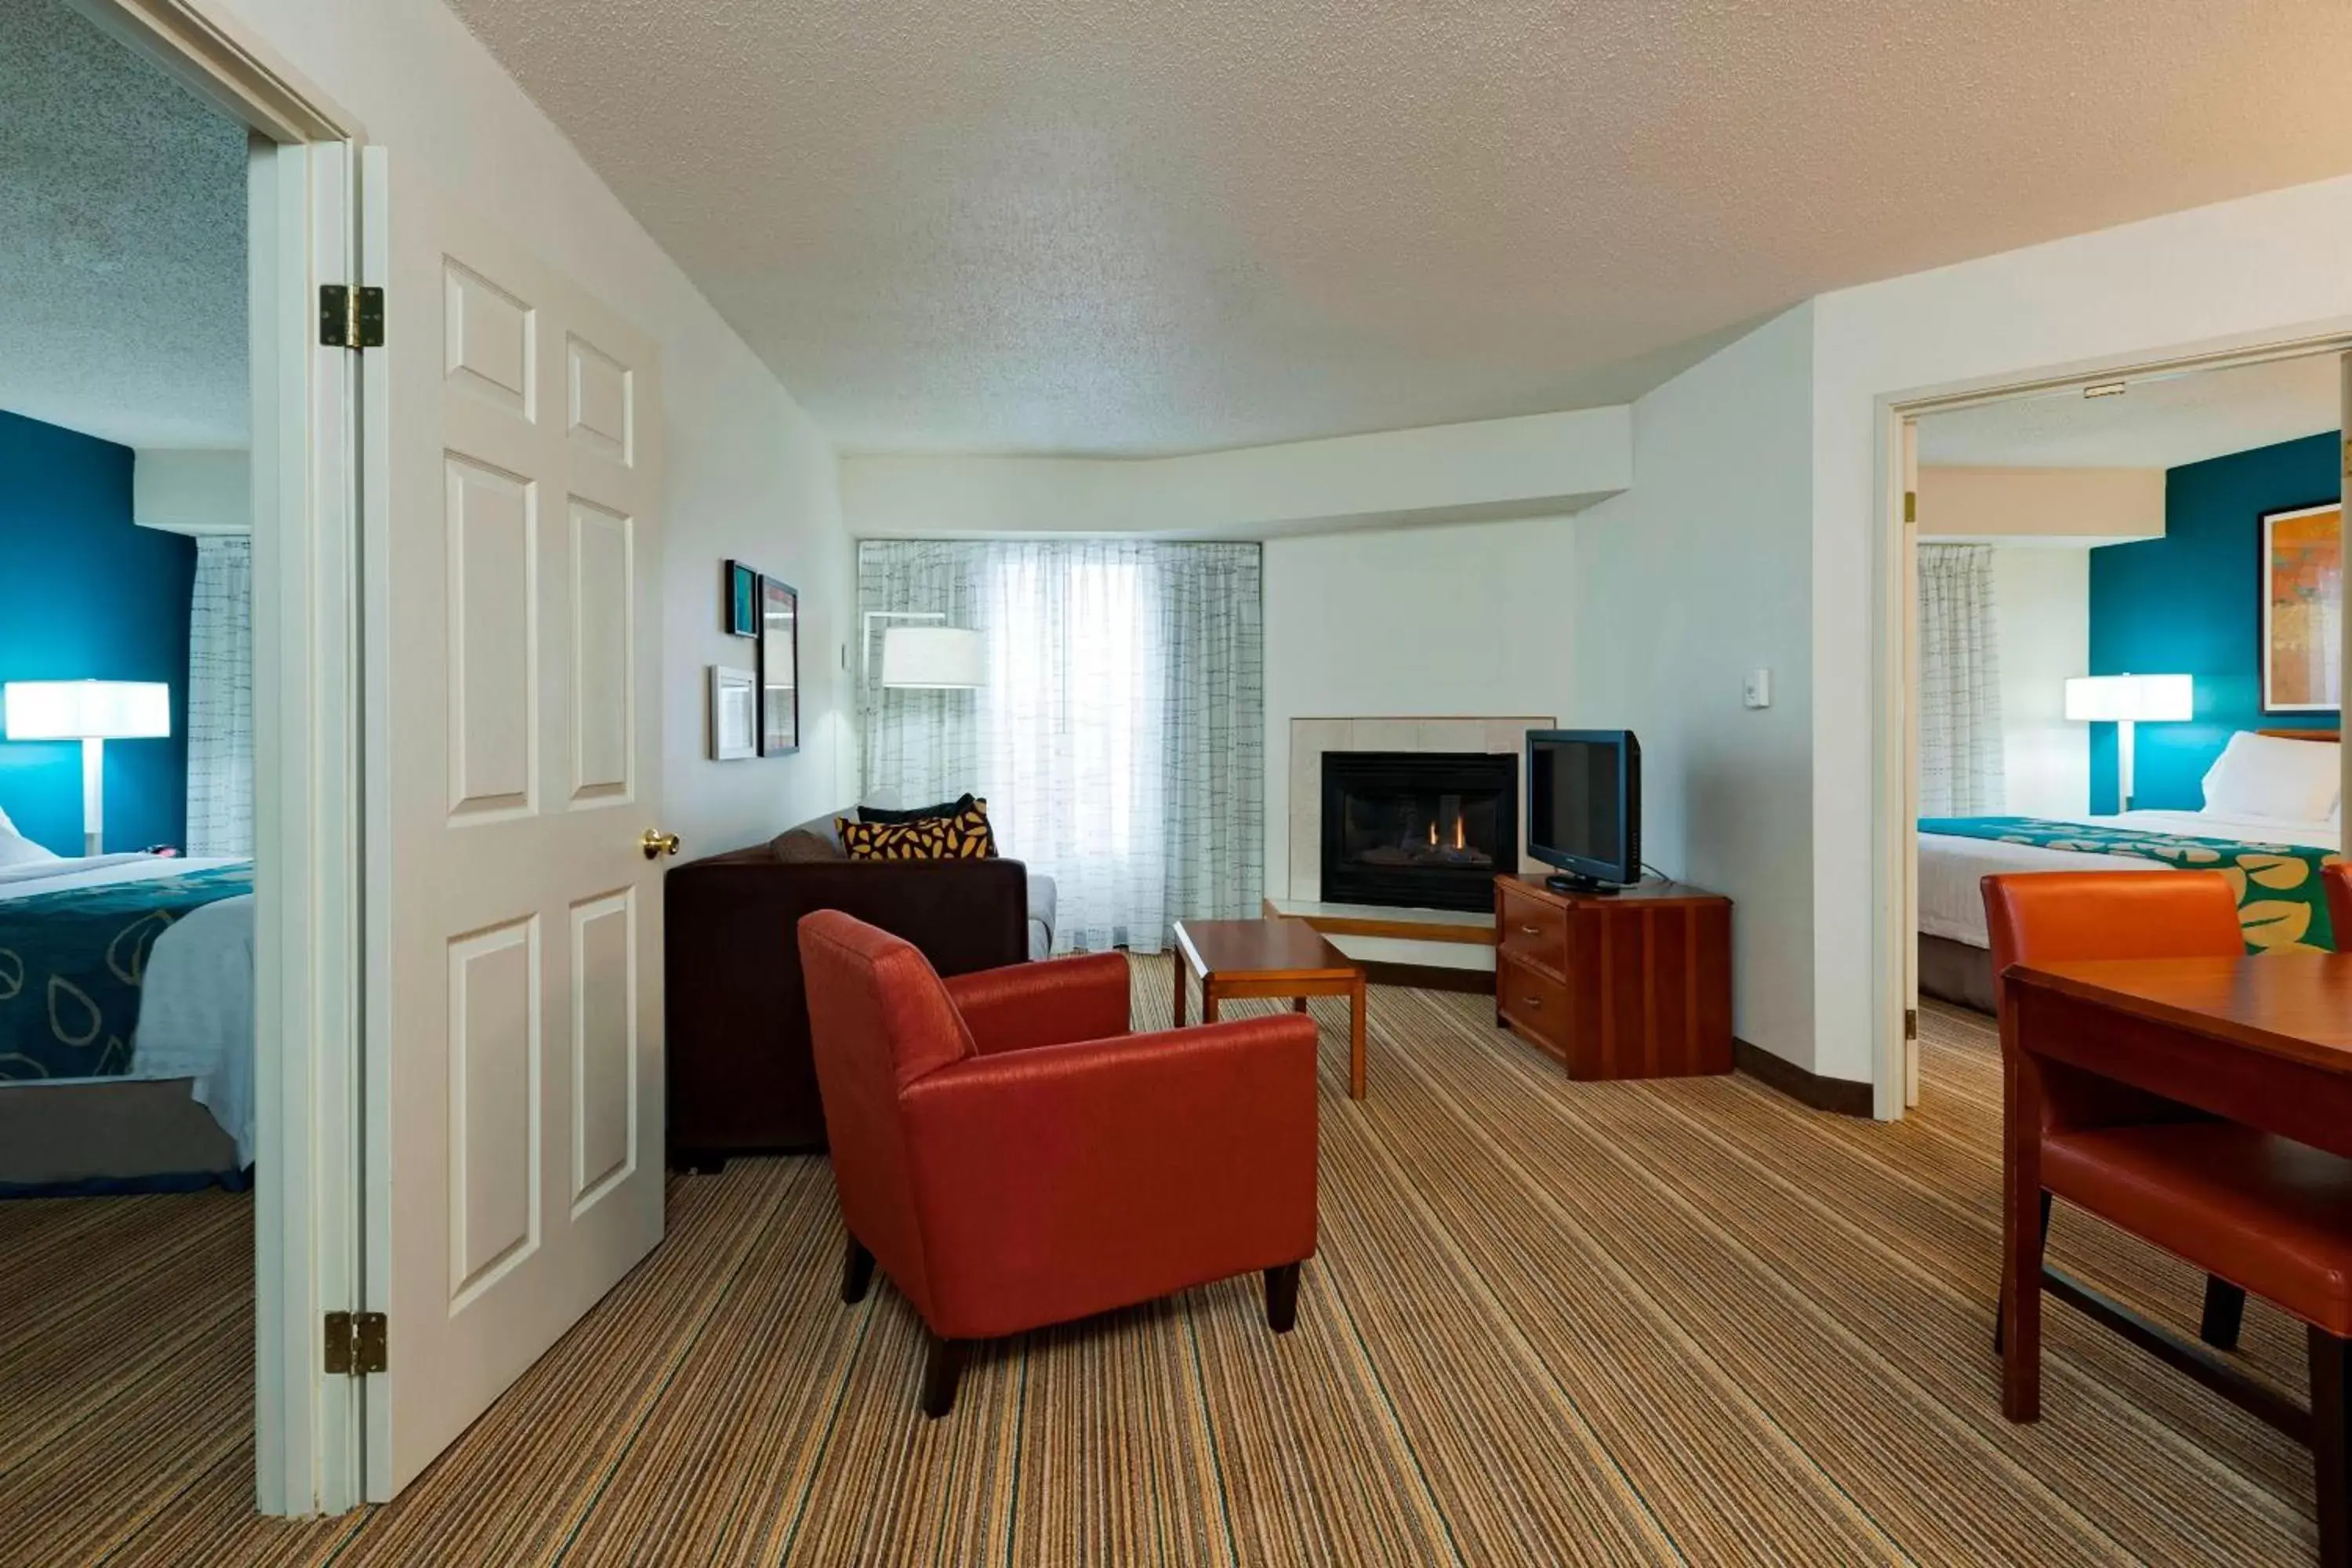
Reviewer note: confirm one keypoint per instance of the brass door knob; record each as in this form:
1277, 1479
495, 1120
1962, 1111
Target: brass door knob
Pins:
656, 844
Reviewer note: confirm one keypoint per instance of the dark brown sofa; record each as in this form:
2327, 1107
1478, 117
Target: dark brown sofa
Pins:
741, 1079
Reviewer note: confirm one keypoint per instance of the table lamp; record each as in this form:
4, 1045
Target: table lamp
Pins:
93, 712
2125, 701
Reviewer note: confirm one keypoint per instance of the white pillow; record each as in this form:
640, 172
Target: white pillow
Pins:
18, 850
2285, 780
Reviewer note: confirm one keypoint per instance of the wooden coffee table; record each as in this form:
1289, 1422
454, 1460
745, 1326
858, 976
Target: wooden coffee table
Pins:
1270, 958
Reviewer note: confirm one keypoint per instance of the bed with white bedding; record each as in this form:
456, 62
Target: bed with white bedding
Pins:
2270, 795
126, 1017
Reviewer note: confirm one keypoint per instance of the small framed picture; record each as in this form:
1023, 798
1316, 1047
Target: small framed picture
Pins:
742, 606
734, 714
780, 668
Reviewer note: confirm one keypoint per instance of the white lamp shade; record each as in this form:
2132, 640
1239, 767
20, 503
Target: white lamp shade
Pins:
2141, 699
939, 657
88, 710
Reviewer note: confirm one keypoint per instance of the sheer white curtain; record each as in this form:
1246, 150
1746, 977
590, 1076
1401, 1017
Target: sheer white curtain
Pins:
1120, 740
220, 700
1960, 766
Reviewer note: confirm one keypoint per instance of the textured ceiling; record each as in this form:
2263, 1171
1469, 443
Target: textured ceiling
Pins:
121, 241
2156, 423
1150, 225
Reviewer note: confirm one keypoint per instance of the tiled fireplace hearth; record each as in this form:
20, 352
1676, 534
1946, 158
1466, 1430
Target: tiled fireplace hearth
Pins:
1435, 803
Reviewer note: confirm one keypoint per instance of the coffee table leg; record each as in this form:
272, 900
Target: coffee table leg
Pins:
1298, 1004
1356, 1039
1176, 1009
1207, 1000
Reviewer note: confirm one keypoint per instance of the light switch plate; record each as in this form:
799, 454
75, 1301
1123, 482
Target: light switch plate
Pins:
1758, 690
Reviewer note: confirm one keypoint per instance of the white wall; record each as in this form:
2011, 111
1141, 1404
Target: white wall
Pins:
1537, 465
192, 490
2041, 606
2089, 506
1698, 575
1470, 620
748, 474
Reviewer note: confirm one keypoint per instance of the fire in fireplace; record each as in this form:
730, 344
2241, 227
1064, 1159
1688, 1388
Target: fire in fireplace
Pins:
1418, 829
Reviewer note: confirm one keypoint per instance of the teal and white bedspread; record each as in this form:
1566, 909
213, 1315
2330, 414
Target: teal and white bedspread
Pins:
130, 966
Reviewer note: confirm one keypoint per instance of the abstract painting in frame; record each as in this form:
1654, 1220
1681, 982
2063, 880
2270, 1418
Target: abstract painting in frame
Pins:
2303, 610
780, 660
742, 603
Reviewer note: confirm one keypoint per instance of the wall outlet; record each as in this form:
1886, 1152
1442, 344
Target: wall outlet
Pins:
1757, 692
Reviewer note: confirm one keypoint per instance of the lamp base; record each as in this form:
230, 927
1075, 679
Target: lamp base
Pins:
93, 796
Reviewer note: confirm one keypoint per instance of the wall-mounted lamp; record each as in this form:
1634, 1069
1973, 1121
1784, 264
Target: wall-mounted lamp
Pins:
93, 712
2125, 701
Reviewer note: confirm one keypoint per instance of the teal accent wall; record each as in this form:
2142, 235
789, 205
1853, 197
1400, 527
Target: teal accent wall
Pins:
2191, 602
85, 594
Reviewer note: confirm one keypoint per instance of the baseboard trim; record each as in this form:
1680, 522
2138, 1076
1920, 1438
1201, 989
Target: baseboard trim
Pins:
1840, 1096
1430, 977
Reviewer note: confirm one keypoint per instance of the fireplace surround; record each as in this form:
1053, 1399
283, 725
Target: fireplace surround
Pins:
1419, 830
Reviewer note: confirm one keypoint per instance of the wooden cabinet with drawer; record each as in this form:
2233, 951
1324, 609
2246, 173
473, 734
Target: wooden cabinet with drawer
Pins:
1635, 983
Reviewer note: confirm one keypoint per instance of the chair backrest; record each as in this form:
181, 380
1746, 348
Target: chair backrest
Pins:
878, 1019
2337, 877
2051, 916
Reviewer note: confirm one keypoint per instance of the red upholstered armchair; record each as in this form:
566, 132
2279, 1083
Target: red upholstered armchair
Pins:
1013, 1157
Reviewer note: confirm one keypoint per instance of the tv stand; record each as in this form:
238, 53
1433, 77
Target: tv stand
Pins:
1570, 882
1615, 982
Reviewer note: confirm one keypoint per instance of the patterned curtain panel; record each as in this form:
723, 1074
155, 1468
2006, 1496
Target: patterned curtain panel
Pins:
220, 700
1960, 770
1119, 742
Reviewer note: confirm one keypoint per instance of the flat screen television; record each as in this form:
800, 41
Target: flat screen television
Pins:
1584, 808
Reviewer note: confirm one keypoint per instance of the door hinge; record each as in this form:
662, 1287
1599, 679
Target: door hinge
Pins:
351, 317
1910, 1022
1911, 506
356, 1343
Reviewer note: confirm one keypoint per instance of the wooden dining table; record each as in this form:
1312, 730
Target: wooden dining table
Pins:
2262, 1040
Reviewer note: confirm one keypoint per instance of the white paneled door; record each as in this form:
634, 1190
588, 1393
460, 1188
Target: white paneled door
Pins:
514, 1090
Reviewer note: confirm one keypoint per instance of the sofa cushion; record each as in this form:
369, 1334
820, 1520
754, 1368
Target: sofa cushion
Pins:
798, 846
963, 836
1042, 896
945, 808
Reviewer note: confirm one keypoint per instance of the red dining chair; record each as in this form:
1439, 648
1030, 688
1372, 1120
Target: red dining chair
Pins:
1012, 1156
2255, 1211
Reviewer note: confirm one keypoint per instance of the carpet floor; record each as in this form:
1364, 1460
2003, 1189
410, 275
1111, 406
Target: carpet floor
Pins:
1673, 1322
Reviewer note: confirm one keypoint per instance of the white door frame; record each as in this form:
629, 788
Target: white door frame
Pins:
302, 232
1896, 789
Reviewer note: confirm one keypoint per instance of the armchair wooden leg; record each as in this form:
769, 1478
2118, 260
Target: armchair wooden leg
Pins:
857, 1271
2331, 1446
2225, 1312
943, 1369
2000, 1308
1282, 1298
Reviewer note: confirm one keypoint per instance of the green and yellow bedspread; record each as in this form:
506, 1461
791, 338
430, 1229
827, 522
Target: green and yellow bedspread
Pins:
2280, 905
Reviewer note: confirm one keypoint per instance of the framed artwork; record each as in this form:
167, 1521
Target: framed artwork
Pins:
743, 601
2303, 610
734, 714
780, 668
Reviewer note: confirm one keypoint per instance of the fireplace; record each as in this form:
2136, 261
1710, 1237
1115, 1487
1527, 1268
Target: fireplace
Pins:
1419, 830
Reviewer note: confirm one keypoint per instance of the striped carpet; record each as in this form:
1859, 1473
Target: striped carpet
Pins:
1677, 1322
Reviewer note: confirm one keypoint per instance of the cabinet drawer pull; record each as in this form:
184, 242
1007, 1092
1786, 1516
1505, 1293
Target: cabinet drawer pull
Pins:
1535, 1004
1529, 930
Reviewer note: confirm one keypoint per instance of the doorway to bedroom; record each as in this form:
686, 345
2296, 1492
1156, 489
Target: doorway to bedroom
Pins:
2126, 648
127, 1072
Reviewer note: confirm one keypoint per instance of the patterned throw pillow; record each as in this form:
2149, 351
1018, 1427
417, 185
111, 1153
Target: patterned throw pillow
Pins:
963, 836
